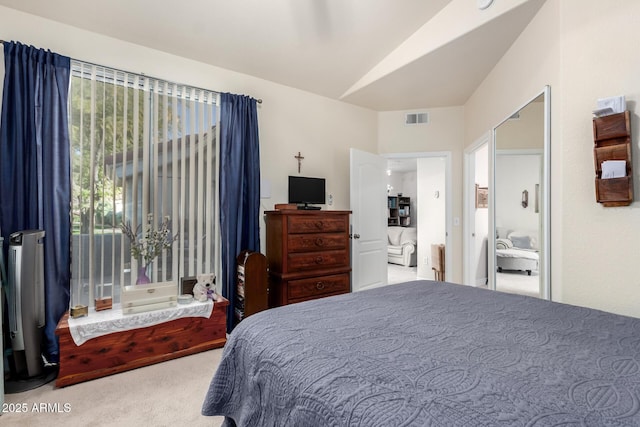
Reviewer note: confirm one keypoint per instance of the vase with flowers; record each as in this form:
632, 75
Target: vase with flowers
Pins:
148, 244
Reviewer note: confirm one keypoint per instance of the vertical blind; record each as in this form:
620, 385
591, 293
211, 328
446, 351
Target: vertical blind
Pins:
143, 151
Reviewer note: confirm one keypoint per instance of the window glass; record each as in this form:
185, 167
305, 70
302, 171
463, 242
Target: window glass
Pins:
143, 152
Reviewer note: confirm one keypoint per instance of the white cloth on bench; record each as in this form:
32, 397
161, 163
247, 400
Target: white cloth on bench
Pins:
99, 323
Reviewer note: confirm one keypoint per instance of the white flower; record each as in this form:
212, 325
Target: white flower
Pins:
151, 244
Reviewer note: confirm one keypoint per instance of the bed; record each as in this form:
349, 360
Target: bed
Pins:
429, 353
517, 252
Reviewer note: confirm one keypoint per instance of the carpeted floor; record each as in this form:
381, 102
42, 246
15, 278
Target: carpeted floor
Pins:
518, 282
166, 394
400, 274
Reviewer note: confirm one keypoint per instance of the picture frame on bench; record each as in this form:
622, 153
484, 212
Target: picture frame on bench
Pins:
187, 284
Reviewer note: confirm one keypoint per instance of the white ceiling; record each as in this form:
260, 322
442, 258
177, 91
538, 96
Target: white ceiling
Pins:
321, 46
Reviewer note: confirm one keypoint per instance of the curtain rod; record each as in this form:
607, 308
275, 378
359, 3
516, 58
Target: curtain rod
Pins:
258, 100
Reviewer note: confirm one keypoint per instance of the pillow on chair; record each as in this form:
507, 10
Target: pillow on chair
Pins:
524, 239
394, 234
504, 244
522, 242
409, 236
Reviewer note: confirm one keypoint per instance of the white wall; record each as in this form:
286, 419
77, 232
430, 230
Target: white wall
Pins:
395, 181
583, 49
406, 184
410, 189
519, 168
290, 120
431, 211
444, 132
514, 174
600, 245
524, 132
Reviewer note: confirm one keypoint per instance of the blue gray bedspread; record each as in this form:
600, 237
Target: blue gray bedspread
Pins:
429, 354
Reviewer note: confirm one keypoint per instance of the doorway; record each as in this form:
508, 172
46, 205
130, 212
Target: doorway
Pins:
402, 220
369, 215
476, 166
422, 183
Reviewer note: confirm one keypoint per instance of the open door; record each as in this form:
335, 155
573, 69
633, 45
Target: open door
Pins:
476, 230
368, 197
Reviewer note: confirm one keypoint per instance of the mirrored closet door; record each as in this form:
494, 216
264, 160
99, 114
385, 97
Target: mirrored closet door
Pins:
519, 198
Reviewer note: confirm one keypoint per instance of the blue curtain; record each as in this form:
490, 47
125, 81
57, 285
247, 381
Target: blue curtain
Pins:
239, 188
35, 174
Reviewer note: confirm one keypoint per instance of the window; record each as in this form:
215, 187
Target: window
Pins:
142, 151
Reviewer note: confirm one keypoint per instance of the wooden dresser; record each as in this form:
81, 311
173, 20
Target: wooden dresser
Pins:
308, 255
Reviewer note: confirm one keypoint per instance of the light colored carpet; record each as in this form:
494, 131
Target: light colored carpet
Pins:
518, 282
165, 394
399, 274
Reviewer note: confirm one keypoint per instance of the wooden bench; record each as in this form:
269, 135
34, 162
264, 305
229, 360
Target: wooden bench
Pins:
122, 351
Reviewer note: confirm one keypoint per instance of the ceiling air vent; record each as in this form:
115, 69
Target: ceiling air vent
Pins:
416, 118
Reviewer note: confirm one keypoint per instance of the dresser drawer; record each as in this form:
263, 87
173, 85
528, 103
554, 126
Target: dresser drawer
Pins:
317, 224
316, 242
317, 260
318, 286
308, 253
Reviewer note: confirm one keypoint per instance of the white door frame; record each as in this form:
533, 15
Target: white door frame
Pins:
448, 255
468, 206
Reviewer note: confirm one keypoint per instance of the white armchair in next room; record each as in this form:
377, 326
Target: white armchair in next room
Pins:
402, 246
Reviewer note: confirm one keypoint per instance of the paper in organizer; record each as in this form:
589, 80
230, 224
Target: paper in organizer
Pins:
608, 106
614, 169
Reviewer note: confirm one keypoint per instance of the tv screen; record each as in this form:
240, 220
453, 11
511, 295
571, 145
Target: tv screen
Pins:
304, 190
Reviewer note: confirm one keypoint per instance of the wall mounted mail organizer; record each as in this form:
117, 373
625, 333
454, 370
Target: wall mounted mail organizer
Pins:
612, 158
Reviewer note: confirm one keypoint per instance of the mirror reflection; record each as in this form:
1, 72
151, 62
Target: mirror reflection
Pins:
518, 198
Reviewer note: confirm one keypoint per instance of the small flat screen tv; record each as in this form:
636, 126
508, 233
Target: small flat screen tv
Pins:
305, 191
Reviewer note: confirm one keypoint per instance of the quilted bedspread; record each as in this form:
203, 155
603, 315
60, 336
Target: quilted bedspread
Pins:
429, 354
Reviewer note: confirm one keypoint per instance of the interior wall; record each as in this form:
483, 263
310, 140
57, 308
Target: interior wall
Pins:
516, 173
410, 189
443, 132
290, 120
395, 182
405, 183
431, 211
581, 48
532, 62
600, 245
519, 145
524, 132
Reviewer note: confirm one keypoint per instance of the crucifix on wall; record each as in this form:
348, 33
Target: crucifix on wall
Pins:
299, 158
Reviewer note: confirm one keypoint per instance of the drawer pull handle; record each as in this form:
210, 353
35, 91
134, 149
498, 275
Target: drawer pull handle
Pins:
319, 260
319, 286
319, 241
319, 224
152, 290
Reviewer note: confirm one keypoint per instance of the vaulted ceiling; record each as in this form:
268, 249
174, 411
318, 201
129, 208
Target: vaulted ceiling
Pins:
380, 54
